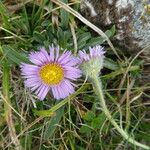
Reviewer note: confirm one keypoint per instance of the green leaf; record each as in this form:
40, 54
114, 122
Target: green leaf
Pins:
89, 116
110, 64
27, 141
94, 41
14, 56
99, 40
63, 37
64, 17
4, 16
52, 124
111, 32
38, 37
144, 132
120, 71
36, 17
82, 40
85, 129
98, 121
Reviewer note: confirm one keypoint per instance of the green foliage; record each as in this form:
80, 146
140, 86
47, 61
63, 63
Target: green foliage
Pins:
110, 64
89, 116
52, 123
98, 121
14, 56
85, 38
64, 16
93, 122
86, 129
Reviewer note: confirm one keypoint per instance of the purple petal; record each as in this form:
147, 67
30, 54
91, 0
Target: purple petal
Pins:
52, 56
83, 55
28, 70
42, 91
72, 73
32, 82
40, 57
73, 61
57, 53
42, 94
64, 57
45, 54
96, 51
63, 90
55, 93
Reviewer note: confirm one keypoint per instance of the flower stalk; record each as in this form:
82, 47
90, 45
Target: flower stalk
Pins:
98, 89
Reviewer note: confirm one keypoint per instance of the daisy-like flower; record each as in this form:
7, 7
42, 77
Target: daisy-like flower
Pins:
51, 72
92, 63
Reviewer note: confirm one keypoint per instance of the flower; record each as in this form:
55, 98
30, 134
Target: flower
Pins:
51, 72
92, 63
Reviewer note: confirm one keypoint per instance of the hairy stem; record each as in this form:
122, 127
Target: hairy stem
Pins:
98, 87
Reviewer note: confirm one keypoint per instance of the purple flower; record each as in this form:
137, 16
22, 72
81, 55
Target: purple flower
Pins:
95, 52
92, 63
51, 72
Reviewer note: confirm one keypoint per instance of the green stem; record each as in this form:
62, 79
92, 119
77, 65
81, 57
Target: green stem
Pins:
7, 104
98, 87
6, 88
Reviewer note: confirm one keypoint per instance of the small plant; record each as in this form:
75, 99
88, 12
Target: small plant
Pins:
100, 110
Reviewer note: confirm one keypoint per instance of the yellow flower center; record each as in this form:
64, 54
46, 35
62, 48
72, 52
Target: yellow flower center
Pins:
51, 73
